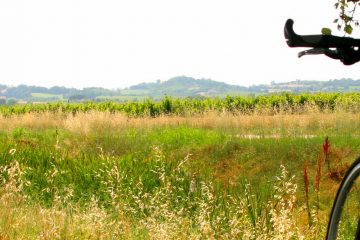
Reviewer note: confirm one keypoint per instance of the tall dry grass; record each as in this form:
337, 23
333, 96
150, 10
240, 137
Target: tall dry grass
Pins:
284, 124
160, 213
137, 213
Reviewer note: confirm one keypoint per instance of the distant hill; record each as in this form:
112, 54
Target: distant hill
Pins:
177, 87
187, 86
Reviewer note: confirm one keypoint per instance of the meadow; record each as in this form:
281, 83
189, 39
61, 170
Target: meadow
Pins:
225, 173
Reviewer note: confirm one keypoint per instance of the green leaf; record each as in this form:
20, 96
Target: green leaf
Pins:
336, 20
326, 31
348, 29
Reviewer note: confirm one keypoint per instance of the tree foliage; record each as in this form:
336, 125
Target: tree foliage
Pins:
347, 18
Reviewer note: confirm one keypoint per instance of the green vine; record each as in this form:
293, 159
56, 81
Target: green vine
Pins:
346, 20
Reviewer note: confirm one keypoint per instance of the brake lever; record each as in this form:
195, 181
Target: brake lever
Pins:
313, 51
334, 54
347, 56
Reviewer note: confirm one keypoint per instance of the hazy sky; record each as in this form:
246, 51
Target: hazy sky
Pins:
118, 43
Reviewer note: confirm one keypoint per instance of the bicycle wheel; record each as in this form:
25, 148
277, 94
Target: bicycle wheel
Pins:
344, 220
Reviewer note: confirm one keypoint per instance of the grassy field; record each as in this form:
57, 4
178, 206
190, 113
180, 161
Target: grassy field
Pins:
98, 175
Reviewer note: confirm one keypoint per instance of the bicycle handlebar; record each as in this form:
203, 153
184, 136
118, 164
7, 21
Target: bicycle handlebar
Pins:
316, 41
346, 49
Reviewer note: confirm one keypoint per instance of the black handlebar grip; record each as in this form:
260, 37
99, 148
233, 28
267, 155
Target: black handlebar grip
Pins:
294, 40
316, 41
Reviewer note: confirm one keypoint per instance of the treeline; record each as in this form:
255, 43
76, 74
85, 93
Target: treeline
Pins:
340, 85
179, 86
25, 92
184, 106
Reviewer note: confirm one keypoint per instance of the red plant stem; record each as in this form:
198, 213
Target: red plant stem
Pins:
306, 188
317, 182
326, 150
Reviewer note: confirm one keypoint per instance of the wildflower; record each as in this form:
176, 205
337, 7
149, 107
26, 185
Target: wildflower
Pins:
12, 151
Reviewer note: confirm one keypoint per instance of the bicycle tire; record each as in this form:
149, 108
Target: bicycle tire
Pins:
351, 175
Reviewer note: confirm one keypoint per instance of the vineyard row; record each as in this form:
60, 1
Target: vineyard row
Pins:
182, 106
